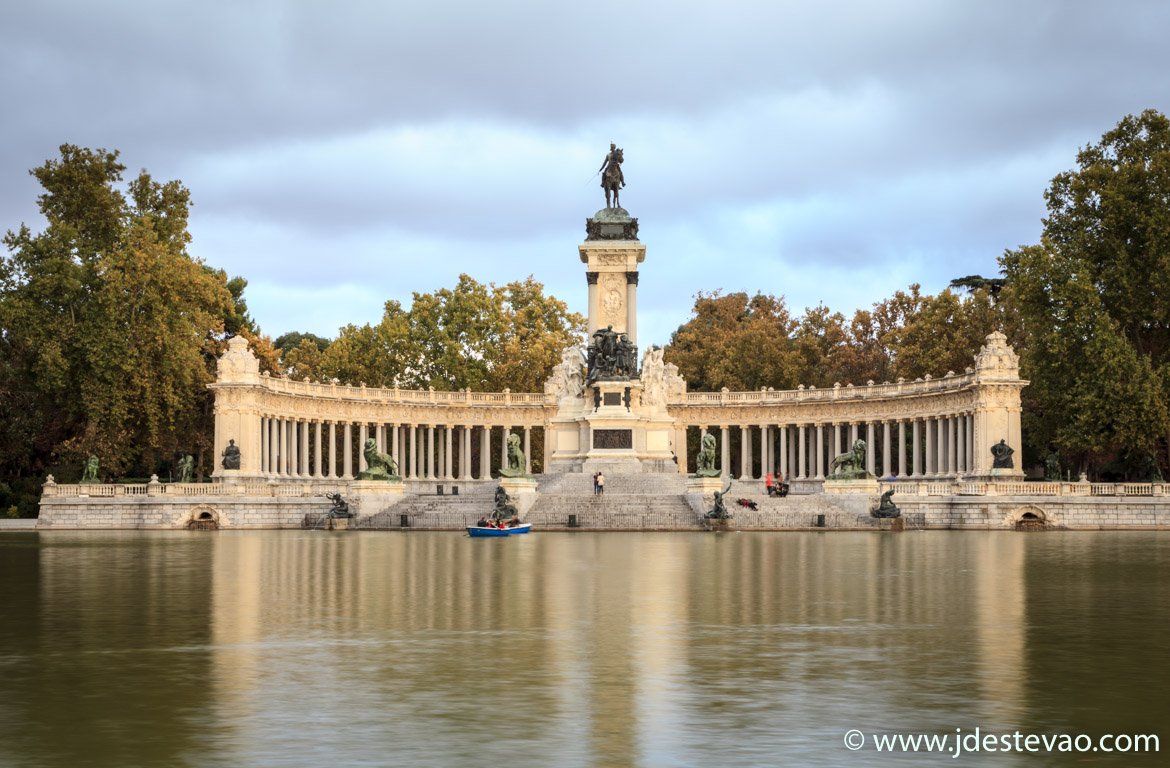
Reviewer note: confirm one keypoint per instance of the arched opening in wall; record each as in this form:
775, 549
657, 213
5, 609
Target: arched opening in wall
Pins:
203, 519
1031, 519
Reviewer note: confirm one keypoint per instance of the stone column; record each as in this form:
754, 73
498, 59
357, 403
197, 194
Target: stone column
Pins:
363, 435
380, 437
448, 460
528, 447
504, 446
870, 448
745, 471
783, 466
901, 448
392, 437
332, 472
941, 447
931, 455
916, 449
800, 451
971, 460
263, 444
412, 455
820, 432
282, 452
317, 460
631, 307
953, 446
347, 452
430, 453
594, 306
887, 458
961, 441
852, 437
465, 455
305, 471
680, 448
765, 459
724, 452
485, 451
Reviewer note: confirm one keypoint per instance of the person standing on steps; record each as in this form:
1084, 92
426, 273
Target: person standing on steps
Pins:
601, 483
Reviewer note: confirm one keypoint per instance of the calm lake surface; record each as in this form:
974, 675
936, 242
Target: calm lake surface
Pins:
287, 648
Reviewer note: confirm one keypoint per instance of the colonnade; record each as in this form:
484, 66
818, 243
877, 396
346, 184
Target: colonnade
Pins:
922, 447
324, 449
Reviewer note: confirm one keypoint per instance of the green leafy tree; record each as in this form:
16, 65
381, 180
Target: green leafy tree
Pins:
1093, 298
110, 328
475, 336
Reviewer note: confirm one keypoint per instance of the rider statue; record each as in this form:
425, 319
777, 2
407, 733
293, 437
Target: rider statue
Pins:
612, 178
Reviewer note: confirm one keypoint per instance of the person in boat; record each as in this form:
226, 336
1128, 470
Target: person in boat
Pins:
483, 523
515, 521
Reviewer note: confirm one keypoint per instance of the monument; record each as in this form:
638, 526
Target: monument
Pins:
611, 417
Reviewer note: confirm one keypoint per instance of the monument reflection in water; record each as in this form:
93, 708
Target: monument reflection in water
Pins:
305, 648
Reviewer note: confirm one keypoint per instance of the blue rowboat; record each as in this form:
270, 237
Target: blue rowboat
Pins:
475, 530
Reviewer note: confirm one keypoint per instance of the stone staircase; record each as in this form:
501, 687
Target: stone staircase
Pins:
433, 512
643, 501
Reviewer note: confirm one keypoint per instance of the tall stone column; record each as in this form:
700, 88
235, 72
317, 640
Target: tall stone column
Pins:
594, 309
412, 459
783, 465
931, 455
347, 452
448, 462
282, 441
852, 437
745, 442
887, 459
916, 448
465, 457
317, 459
430, 449
680, 449
820, 432
363, 435
332, 450
870, 448
724, 452
632, 306
941, 446
304, 468
504, 446
961, 443
800, 451
765, 459
264, 444
485, 451
392, 436
901, 448
528, 450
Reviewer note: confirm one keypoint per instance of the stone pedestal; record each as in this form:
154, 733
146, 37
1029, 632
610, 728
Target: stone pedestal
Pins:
522, 492
369, 497
864, 485
701, 492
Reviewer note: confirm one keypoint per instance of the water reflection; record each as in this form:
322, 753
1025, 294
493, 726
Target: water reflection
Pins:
297, 648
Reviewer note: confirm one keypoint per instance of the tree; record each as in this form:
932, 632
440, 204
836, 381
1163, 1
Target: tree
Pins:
736, 341
474, 336
110, 328
1093, 299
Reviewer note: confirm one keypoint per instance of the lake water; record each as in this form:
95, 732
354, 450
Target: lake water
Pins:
288, 648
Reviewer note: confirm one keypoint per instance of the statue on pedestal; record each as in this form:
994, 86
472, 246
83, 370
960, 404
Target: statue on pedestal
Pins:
705, 460
612, 178
611, 355
186, 468
231, 456
379, 466
90, 471
850, 465
340, 508
1001, 454
516, 459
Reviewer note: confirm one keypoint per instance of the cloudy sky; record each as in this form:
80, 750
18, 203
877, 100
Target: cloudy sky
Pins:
343, 153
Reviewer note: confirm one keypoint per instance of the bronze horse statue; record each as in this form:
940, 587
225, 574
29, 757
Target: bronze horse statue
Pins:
612, 179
